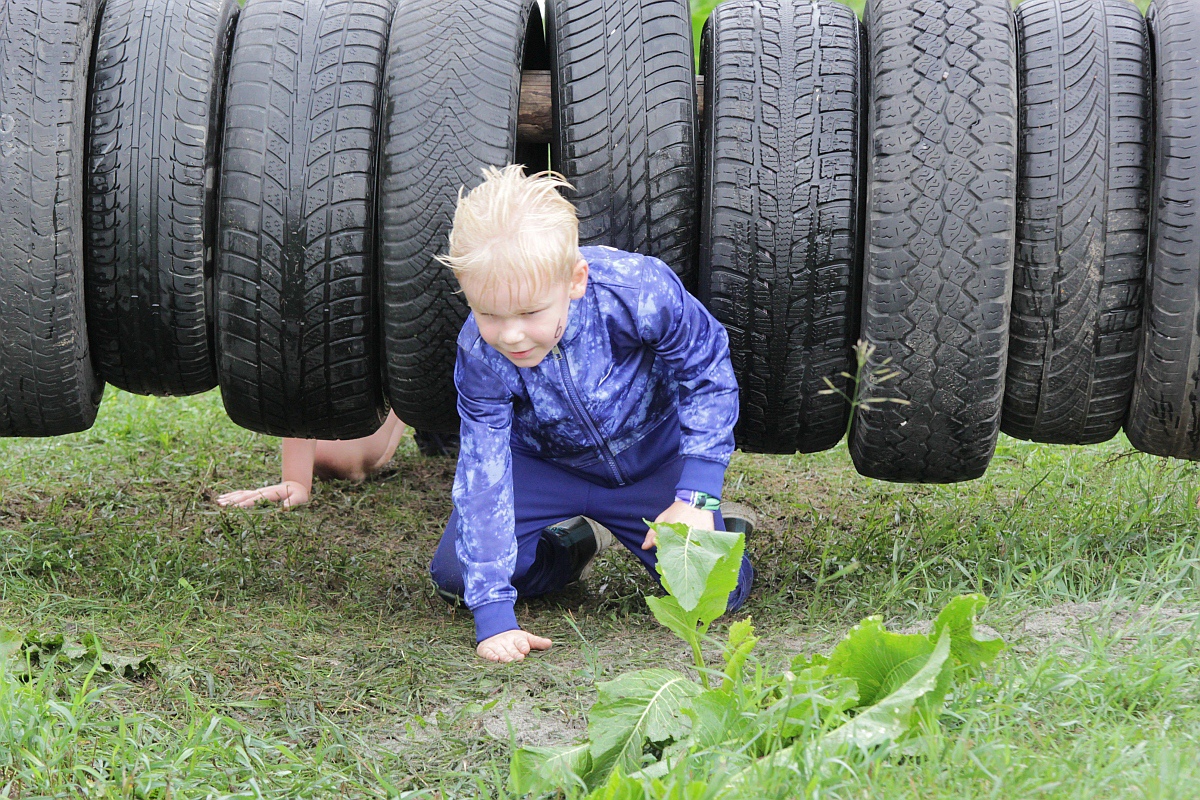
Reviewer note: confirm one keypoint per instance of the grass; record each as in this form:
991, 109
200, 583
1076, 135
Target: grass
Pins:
305, 653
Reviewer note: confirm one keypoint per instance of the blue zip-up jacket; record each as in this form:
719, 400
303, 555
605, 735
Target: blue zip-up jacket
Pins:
641, 375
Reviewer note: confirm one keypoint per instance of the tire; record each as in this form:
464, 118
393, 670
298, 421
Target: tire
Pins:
1084, 133
1164, 416
297, 353
779, 246
623, 81
153, 150
941, 196
452, 87
436, 445
47, 383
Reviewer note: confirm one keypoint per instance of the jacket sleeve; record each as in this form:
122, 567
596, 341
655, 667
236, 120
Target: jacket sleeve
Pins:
696, 348
483, 495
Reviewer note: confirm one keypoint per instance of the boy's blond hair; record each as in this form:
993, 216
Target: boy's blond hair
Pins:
512, 230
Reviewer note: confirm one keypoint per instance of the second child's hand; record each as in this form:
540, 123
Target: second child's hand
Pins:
288, 494
680, 511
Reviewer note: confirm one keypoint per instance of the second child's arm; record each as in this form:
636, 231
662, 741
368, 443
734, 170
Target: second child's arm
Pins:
296, 486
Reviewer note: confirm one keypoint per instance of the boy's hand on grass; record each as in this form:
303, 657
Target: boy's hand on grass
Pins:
289, 493
680, 511
511, 646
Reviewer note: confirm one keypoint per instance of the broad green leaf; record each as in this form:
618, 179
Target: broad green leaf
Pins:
539, 770
803, 662
10, 643
619, 787
673, 754
669, 614
721, 581
38, 645
637, 707
741, 642
879, 661
887, 720
958, 617
94, 647
130, 667
895, 714
717, 717
813, 700
73, 650
687, 557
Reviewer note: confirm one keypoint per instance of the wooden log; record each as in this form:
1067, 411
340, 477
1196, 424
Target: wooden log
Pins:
535, 112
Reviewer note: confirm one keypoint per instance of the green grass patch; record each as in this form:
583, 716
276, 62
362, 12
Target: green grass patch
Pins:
316, 635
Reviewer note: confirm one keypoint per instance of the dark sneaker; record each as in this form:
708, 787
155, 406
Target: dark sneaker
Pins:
578, 541
604, 540
739, 518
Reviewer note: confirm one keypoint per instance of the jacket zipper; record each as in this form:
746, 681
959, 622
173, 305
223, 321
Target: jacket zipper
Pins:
609, 458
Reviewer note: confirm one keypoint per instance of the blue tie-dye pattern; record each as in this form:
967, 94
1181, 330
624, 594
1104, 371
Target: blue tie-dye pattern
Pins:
640, 351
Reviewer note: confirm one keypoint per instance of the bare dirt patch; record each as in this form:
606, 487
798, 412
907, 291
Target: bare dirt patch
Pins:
533, 723
1076, 622
1039, 629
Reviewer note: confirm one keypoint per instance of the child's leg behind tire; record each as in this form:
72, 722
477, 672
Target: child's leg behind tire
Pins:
543, 495
356, 459
622, 511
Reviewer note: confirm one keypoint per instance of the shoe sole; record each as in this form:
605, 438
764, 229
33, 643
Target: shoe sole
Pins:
732, 510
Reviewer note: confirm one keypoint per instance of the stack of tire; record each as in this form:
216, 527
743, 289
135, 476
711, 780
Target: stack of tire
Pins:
255, 198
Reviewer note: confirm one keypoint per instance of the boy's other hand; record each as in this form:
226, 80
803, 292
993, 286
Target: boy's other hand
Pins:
289, 493
511, 646
680, 511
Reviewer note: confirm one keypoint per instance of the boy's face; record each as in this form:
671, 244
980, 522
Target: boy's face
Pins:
523, 325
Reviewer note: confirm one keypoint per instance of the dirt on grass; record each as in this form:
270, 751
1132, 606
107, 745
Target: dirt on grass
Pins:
1075, 622
1040, 629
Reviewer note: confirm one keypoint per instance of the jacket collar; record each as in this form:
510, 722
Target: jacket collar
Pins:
576, 315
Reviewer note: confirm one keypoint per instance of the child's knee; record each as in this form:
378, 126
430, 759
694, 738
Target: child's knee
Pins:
445, 569
447, 579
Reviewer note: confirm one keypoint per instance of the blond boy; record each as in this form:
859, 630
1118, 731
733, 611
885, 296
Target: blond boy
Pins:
589, 383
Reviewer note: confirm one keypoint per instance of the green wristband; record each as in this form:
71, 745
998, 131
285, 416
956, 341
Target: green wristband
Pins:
701, 500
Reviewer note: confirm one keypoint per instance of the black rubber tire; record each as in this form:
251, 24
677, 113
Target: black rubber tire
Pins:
623, 80
1164, 415
436, 445
1082, 214
452, 88
297, 352
941, 197
779, 243
153, 145
47, 383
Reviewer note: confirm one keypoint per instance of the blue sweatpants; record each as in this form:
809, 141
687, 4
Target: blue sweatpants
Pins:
544, 495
